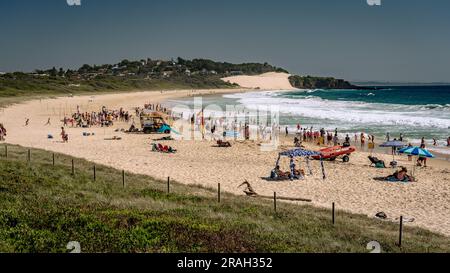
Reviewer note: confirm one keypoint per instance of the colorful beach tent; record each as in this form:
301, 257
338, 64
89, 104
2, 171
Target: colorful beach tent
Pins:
301, 153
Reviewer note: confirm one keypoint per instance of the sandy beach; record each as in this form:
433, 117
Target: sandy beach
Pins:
350, 185
266, 81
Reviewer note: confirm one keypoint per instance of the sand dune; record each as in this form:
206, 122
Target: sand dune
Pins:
351, 186
267, 81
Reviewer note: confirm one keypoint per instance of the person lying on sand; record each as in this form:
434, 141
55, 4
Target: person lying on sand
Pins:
401, 176
279, 174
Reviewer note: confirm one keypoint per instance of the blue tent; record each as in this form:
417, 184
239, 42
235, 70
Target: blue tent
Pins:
165, 128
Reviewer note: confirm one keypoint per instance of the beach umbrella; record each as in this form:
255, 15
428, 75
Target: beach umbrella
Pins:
416, 151
394, 144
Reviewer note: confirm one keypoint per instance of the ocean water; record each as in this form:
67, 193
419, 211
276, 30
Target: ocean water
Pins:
414, 111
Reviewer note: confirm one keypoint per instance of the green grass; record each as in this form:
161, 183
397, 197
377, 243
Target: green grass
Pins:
18, 86
43, 207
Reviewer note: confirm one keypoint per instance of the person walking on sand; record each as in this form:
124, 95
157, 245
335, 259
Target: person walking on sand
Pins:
2, 132
48, 122
64, 136
27, 122
356, 138
363, 139
434, 142
287, 131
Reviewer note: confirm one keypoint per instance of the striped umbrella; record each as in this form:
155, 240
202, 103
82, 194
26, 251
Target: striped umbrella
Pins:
417, 151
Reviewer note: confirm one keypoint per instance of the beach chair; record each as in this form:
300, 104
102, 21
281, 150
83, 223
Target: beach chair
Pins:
376, 162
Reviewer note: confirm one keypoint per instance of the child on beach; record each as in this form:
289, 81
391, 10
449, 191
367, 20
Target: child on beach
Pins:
2, 132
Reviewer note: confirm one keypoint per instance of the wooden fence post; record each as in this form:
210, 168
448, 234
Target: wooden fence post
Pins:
168, 185
123, 178
275, 201
333, 213
400, 232
218, 192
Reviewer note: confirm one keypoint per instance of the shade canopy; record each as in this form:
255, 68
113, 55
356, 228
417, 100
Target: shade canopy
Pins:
299, 153
417, 151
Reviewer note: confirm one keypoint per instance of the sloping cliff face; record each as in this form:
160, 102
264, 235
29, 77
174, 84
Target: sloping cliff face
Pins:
309, 82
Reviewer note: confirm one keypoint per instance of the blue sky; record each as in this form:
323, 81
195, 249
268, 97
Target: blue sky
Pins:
401, 40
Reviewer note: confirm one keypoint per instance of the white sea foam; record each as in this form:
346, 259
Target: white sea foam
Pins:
429, 116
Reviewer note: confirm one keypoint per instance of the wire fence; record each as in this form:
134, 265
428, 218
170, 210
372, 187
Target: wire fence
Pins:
18, 153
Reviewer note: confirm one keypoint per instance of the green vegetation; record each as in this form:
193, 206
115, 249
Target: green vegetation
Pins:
127, 76
310, 82
43, 207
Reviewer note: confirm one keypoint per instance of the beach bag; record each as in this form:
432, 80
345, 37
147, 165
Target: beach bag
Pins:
379, 165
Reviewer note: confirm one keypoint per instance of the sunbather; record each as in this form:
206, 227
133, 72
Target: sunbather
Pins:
279, 174
400, 176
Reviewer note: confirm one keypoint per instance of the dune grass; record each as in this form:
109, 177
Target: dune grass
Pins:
43, 207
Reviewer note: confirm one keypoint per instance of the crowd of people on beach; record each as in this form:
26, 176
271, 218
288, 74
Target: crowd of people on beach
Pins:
103, 118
